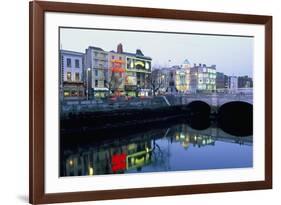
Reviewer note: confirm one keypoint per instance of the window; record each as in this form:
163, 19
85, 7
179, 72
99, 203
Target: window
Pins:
96, 83
68, 76
112, 57
104, 83
96, 73
183, 79
74, 93
66, 93
68, 62
77, 77
130, 64
77, 63
120, 58
147, 66
202, 87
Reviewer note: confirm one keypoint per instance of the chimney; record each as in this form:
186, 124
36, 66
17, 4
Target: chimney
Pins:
120, 48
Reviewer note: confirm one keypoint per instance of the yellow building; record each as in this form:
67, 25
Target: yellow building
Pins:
182, 80
183, 77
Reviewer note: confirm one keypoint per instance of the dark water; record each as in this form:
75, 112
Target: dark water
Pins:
176, 147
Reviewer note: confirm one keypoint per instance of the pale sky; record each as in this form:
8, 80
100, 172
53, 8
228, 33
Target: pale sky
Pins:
233, 55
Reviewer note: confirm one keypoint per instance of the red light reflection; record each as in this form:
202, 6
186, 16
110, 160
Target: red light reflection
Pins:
118, 162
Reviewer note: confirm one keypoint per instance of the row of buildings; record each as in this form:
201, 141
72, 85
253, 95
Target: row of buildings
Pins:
98, 73
198, 78
184, 78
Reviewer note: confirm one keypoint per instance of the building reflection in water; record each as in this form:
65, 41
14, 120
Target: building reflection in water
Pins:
151, 150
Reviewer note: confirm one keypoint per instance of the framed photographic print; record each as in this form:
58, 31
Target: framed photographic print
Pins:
139, 102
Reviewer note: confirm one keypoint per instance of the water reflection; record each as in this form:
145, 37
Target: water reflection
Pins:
177, 147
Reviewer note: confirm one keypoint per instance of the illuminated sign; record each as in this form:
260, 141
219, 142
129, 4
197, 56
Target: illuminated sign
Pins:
140, 63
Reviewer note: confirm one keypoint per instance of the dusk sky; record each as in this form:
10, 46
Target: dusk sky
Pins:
231, 55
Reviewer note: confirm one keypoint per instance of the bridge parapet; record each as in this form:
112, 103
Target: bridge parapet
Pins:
217, 99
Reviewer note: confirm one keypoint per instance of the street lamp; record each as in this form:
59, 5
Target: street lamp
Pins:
88, 70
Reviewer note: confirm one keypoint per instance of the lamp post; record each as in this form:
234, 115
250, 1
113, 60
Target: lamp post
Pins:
88, 70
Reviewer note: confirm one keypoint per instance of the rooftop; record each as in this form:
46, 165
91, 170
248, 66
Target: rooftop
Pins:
96, 48
137, 55
70, 52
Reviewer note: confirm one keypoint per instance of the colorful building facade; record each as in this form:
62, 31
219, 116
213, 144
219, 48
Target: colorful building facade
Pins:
117, 73
138, 71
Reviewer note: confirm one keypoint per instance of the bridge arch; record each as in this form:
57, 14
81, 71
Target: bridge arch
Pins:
198, 114
236, 118
199, 107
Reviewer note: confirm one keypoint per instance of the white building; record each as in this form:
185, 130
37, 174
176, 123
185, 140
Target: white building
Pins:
233, 84
96, 65
202, 78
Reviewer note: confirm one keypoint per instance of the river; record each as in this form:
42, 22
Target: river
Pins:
173, 147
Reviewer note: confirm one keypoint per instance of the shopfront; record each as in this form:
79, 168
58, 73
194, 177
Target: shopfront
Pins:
73, 91
131, 90
100, 92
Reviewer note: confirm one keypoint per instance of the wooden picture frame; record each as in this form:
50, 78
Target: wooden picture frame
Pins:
37, 97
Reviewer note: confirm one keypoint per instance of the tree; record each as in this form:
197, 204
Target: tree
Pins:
156, 80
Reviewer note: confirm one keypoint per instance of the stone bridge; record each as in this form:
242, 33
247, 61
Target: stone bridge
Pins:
214, 100
217, 99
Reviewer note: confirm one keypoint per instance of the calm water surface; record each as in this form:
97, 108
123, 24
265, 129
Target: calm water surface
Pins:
175, 148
